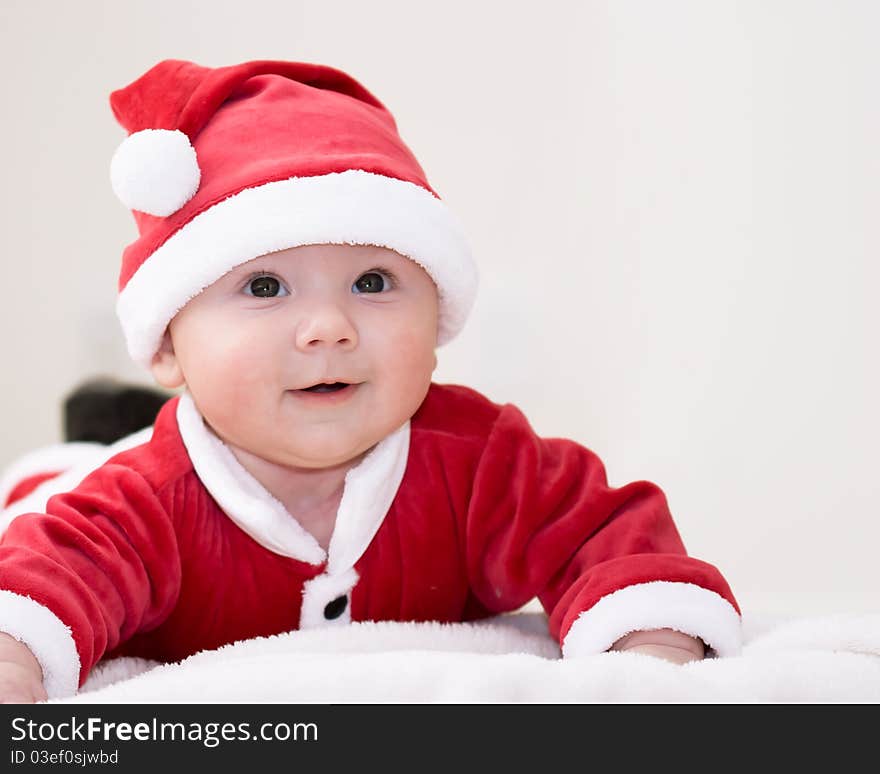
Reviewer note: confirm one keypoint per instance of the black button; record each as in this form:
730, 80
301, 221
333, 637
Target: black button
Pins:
335, 608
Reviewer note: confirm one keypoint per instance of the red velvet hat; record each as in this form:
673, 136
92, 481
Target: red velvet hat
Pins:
222, 165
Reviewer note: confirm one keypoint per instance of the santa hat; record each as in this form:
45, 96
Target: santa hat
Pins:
222, 165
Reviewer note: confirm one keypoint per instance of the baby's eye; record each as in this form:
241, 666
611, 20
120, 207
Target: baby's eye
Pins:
372, 282
265, 286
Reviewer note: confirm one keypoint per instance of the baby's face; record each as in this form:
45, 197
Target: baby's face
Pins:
248, 346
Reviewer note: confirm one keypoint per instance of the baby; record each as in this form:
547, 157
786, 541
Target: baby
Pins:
295, 273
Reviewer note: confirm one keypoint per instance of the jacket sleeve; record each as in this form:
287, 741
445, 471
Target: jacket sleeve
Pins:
98, 566
543, 522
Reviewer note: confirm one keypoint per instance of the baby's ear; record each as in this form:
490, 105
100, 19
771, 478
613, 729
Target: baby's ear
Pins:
165, 366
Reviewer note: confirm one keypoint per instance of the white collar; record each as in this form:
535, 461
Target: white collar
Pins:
369, 490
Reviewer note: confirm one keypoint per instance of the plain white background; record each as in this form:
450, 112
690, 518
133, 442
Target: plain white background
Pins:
673, 205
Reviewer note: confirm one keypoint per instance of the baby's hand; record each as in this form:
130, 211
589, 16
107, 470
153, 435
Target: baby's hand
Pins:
667, 644
21, 678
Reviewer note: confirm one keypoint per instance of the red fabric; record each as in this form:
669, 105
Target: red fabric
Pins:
255, 123
27, 485
140, 560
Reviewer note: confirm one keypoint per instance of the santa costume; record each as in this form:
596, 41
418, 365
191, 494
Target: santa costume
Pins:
163, 544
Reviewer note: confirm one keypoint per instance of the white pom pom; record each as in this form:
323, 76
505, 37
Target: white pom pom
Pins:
155, 171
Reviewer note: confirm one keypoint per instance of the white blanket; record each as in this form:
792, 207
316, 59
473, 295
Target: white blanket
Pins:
506, 659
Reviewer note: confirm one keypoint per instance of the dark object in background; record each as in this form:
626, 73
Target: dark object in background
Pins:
104, 410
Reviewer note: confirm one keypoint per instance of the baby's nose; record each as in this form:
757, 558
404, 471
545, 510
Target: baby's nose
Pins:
325, 325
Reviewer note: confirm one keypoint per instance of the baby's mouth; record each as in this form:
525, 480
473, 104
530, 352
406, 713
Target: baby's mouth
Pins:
323, 387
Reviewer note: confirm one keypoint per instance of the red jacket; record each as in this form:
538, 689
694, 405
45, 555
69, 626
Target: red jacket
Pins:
171, 547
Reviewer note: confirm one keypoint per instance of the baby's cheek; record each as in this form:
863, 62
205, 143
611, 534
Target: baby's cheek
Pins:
233, 401
412, 366
226, 367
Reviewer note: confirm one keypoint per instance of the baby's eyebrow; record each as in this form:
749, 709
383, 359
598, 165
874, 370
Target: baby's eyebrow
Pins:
255, 270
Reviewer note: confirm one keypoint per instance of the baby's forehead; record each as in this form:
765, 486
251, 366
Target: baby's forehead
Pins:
328, 254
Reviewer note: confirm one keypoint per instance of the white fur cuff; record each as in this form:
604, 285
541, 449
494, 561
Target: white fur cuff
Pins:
48, 638
684, 607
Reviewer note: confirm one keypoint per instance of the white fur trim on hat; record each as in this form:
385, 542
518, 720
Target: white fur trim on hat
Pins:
351, 207
684, 607
155, 171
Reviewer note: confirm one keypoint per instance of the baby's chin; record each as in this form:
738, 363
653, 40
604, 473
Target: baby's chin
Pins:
313, 458
309, 454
